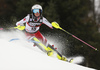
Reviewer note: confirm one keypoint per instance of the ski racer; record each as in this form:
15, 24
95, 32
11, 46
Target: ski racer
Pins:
33, 22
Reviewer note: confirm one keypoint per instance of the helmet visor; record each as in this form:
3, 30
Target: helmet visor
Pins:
36, 11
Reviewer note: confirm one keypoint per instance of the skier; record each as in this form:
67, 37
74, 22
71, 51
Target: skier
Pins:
33, 22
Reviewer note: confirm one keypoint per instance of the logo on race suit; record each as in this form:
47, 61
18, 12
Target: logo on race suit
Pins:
34, 24
24, 19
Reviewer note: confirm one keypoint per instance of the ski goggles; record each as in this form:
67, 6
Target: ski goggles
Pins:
36, 11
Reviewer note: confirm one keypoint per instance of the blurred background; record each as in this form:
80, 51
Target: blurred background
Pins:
79, 17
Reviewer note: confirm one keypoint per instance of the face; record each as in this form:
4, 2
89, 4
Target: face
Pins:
37, 14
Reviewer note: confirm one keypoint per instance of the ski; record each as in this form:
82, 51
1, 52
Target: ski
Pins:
49, 50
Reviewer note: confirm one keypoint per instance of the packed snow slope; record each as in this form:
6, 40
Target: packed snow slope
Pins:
21, 55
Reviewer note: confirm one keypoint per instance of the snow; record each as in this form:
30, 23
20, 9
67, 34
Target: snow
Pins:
21, 55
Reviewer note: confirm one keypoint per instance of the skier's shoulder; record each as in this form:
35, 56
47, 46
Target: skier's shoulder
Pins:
45, 20
28, 15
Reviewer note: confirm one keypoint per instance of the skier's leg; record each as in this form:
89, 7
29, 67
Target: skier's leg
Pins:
41, 38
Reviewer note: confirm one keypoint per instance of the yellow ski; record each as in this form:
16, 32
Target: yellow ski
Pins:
49, 49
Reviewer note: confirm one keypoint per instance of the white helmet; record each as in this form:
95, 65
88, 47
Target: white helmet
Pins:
37, 6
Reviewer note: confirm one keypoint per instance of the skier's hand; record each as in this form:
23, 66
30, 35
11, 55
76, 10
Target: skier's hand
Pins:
20, 27
56, 25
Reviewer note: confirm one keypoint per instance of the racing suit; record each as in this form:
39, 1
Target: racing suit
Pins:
32, 26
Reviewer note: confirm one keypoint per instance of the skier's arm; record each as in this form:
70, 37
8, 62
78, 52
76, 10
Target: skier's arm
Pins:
24, 20
46, 22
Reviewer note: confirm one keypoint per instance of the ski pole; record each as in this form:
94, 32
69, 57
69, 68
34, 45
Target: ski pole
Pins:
18, 27
56, 25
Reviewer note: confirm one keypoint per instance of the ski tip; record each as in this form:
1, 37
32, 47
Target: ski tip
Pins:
1, 28
71, 60
14, 39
